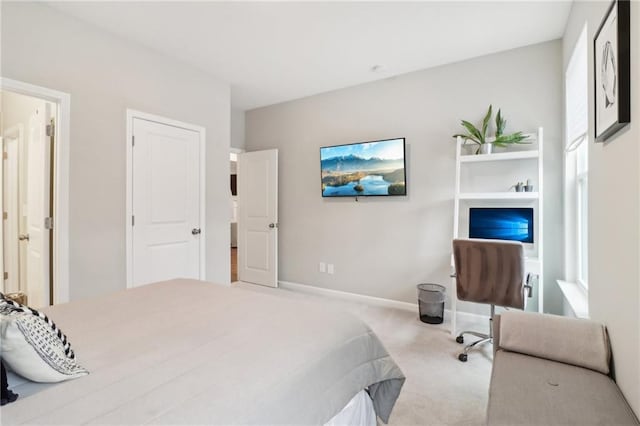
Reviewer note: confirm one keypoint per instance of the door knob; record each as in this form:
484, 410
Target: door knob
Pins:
23, 237
195, 231
273, 225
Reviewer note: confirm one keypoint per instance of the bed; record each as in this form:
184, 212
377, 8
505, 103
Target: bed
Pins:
191, 352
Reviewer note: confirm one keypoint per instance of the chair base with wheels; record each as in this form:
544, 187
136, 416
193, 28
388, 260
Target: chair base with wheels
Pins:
484, 338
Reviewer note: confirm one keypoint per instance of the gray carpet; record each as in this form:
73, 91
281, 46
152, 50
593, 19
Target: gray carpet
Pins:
440, 390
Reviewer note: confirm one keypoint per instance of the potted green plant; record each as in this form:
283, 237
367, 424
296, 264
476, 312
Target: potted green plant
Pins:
486, 143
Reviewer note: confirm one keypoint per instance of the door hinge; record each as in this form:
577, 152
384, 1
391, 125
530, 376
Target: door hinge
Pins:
4, 215
6, 275
4, 155
133, 220
50, 129
48, 223
133, 141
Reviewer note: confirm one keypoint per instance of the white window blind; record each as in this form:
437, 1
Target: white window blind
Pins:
576, 94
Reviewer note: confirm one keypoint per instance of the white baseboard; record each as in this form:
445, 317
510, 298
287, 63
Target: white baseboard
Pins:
360, 298
369, 300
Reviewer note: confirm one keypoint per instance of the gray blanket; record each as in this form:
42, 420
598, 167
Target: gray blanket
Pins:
190, 352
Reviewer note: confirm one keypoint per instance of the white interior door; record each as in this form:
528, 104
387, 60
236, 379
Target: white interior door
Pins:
2, 208
258, 213
10, 241
37, 236
166, 202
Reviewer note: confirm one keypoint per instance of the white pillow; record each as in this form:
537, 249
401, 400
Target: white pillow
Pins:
32, 346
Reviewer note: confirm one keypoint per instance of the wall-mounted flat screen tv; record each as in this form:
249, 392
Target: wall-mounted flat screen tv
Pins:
501, 223
364, 169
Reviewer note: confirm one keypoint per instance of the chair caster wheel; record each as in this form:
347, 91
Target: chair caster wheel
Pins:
460, 339
462, 357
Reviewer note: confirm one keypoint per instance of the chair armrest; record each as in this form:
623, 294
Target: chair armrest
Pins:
579, 342
496, 333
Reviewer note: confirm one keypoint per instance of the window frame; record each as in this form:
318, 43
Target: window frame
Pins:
576, 162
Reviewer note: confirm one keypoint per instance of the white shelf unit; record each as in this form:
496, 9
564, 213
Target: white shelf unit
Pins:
532, 159
489, 196
501, 156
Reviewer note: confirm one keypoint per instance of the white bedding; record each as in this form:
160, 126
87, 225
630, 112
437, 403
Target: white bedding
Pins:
358, 412
189, 352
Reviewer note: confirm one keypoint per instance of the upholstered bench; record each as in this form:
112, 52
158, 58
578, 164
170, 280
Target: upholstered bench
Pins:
552, 370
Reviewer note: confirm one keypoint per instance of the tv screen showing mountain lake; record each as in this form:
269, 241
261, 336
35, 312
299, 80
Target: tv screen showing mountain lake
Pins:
368, 168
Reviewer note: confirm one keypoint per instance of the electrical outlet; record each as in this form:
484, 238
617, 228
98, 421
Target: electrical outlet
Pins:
322, 267
330, 268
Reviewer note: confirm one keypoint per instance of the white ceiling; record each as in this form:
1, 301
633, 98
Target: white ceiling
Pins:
272, 52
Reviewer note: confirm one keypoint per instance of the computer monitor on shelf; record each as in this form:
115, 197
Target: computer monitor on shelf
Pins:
502, 223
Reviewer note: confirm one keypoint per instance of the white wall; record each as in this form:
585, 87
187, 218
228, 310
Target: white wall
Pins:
385, 246
105, 75
16, 109
237, 128
614, 213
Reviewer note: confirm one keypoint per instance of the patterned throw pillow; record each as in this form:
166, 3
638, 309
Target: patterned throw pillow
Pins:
33, 346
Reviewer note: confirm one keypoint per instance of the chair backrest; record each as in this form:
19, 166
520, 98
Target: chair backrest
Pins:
490, 271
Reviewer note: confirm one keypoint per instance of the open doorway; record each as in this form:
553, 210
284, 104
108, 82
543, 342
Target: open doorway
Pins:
58, 228
28, 151
233, 168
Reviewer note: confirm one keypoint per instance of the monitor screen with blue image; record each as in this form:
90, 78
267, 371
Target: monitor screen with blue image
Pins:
501, 223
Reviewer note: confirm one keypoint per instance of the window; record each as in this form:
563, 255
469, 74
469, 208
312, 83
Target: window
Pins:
577, 164
582, 214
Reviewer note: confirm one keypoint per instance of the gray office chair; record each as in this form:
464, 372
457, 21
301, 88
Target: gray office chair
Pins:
491, 272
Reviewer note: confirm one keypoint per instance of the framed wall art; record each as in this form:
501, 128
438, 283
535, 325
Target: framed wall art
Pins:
612, 68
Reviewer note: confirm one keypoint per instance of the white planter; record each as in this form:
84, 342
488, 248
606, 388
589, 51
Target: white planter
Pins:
486, 148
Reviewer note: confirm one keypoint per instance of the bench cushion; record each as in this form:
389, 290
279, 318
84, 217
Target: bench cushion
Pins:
529, 390
574, 341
